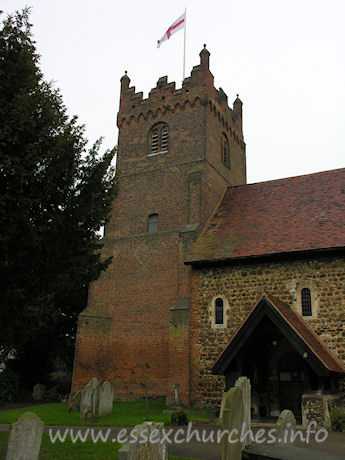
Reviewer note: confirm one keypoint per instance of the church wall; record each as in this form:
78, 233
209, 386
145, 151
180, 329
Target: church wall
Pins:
147, 275
242, 285
140, 305
137, 293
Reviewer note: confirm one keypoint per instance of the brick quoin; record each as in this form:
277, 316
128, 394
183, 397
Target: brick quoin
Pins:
137, 322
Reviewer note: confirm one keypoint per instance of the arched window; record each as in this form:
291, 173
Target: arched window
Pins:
154, 141
153, 223
306, 302
165, 139
159, 139
219, 311
225, 151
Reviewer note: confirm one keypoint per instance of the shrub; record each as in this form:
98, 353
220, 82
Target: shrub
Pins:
9, 385
338, 419
61, 378
179, 418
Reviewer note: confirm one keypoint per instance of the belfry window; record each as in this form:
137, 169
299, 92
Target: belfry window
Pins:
159, 139
225, 151
306, 302
219, 311
153, 223
165, 139
154, 141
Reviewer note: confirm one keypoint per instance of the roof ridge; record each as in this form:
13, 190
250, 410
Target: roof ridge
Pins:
317, 173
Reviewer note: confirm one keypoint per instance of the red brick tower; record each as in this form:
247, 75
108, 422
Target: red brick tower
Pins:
177, 152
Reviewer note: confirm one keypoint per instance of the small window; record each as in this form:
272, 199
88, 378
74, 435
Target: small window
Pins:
159, 139
219, 311
153, 223
306, 302
225, 151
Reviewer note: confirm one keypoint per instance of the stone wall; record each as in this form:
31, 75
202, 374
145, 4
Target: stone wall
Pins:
242, 285
318, 408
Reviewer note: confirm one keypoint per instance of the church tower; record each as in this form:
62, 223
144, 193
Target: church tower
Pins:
178, 150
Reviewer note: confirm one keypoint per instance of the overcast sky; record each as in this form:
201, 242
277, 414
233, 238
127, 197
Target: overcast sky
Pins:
285, 58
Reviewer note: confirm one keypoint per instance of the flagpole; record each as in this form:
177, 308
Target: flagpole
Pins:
184, 43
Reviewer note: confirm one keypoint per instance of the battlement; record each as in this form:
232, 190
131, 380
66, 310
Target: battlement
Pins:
164, 97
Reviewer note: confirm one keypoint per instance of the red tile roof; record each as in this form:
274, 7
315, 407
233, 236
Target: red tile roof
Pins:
287, 215
295, 323
305, 332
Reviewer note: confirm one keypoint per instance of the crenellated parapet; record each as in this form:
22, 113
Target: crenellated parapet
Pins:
196, 89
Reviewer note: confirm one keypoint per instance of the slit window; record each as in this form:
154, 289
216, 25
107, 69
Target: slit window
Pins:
306, 302
225, 151
219, 311
153, 223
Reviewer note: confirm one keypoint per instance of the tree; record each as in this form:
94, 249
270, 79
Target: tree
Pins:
54, 197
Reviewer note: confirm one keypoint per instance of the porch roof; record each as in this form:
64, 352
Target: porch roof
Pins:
303, 339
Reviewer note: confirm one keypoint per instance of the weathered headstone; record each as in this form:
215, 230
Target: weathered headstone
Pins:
177, 402
232, 421
38, 392
222, 404
96, 387
244, 384
24, 440
75, 403
154, 450
106, 398
285, 427
87, 402
122, 454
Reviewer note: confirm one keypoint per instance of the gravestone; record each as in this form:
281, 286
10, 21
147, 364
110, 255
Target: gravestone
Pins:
177, 402
96, 387
122, 454
232, 420
24, 440
285, 426
222, 404
106, 398
38, 392
146, 450
75, 403
244, 384
87, 402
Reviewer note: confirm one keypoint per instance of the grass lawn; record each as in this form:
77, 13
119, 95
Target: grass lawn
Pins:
77, 451
125, 413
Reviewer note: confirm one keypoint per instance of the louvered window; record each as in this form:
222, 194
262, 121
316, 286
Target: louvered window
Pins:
159, 139
219, 311
306, 302
165, 139
154, 141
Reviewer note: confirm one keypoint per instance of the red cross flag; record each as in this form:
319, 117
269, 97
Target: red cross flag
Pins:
175, 27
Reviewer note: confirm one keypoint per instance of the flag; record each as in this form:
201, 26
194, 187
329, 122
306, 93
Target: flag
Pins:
175, 27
